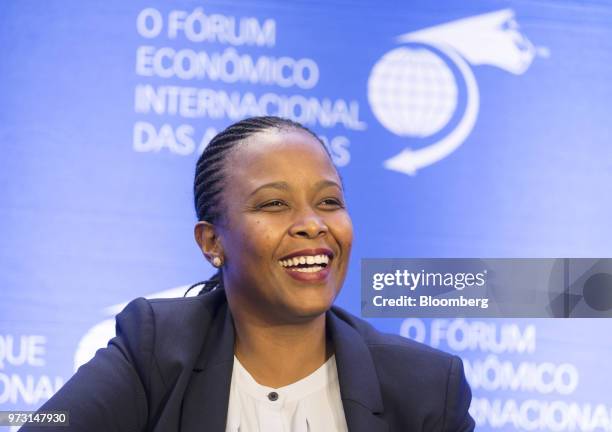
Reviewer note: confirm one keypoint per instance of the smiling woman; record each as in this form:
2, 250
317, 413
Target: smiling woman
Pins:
279, 206
262, 348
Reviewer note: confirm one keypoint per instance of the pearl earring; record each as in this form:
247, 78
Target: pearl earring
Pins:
216, 261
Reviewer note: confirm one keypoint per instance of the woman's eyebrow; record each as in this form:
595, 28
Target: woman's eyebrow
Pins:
284, 186
272, 185
327, 183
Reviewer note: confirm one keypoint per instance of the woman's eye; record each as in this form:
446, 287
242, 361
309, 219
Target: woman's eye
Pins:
332, 202
273, 205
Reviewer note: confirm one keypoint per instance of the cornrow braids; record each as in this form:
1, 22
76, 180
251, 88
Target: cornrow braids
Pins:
210, 174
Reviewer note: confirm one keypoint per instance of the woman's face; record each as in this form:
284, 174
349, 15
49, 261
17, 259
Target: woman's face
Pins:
286, 234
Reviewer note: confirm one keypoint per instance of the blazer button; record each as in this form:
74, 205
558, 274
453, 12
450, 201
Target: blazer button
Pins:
273, 396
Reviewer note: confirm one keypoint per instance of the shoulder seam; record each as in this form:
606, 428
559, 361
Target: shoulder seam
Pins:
173, 299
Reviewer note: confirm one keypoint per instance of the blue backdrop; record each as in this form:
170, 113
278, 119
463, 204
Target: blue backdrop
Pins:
477, 129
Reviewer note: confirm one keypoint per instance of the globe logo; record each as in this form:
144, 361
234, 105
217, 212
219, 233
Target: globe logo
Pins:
412, 92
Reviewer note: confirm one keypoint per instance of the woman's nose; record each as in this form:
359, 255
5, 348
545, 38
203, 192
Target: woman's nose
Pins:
309, 225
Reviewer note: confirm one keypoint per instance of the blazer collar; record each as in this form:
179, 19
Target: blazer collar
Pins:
207, 396
359, 386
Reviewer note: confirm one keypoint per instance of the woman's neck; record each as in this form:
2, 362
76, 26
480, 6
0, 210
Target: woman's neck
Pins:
280, 354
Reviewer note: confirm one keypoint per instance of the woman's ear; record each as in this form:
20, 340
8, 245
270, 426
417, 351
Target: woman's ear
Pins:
210, 244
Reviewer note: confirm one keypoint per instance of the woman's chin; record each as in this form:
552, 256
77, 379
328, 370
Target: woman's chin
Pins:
311, 306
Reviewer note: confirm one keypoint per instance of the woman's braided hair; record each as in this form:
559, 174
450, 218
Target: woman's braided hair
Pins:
210, 173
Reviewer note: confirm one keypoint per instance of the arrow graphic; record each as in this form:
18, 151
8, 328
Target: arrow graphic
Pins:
409, 161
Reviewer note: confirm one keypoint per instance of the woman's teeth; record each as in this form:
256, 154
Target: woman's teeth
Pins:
308, 269
313, 261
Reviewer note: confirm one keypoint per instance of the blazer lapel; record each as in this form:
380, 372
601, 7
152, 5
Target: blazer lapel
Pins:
207, 397
359, 386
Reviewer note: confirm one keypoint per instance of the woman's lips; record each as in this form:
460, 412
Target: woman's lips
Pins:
311, 252
310, 276
308, 265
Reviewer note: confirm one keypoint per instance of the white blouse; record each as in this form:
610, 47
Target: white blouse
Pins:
312, 404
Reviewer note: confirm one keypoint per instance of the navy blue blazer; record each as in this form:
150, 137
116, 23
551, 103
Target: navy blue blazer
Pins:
169, 369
